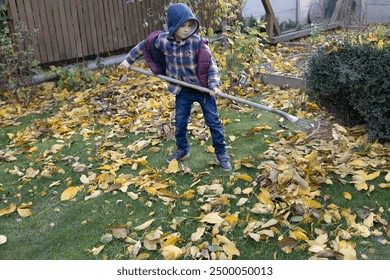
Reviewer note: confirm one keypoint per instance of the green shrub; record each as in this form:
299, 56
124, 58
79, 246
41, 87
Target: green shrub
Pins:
352, 83
78, 78
17, 63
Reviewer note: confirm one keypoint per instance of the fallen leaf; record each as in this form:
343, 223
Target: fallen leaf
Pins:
347, 195
69, 193
173, 167
8, 210
242, 201
245, 177
212, 218
24, 212
96, 250
190, 194
119, 233
144, 225
171, 252
271, 222
231, 250
198, 234
3, 239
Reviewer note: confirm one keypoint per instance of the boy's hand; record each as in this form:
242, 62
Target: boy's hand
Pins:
215, 92
124, 65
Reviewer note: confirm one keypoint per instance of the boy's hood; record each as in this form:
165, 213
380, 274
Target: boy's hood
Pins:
178, 14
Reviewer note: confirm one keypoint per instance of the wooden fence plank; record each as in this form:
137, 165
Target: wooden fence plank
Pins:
13, 11
76, 33
45, 29
31, 24
128, 24
109, 35
122, 29
88, 28
65, 29
92, 27
100, 26
21, 11
43, 54
51, 26
139, 22
118, 25
58, 30
72, 25
113, 26
83, 30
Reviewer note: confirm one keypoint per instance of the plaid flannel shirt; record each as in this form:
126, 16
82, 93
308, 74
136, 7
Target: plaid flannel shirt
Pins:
181, 59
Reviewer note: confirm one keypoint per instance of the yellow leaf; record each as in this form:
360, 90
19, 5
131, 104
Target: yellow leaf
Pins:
173, 167
313, 204
120, 232
31, 173
211, 149
190, 194
3, 239
143, 256
358, 163
56, 147
24, 212
132, 195
271, 222
247, 190
151, 190
231, 250
367, 177
6, 211
96, 250
212, 218
144, 225
198, 234
94, 194
245, 177
84, 179
171, 252
298, 235
171, 239
384, 186
316, 248
322, 239
255, 236
231, 219
260, 128
380, 44
242, 201
387, 177
347, 195
69, 193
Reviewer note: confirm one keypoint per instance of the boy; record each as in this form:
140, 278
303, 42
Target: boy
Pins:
182, 54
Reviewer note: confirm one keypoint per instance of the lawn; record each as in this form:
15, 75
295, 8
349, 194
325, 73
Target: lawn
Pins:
84, 176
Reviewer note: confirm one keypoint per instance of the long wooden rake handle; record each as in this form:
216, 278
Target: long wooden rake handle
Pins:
289, 117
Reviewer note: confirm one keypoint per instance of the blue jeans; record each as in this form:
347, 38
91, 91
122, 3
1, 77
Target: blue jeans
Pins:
184, 101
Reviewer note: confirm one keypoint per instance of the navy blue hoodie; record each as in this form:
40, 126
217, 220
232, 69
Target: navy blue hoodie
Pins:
177, 15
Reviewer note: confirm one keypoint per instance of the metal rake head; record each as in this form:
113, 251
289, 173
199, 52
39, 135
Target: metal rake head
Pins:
310, 127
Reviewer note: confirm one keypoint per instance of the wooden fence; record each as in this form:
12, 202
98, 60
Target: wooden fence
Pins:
80, 28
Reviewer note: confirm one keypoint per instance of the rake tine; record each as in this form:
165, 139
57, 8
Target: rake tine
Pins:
310, 127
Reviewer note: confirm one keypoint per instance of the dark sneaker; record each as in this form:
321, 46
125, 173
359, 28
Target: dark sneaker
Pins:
179, 155
224, 161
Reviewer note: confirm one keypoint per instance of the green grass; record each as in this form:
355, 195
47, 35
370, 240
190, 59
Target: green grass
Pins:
68, 230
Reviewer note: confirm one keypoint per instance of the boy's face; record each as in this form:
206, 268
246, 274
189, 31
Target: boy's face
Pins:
184, 31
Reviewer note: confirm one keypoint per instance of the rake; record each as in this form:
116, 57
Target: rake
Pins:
304, 125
